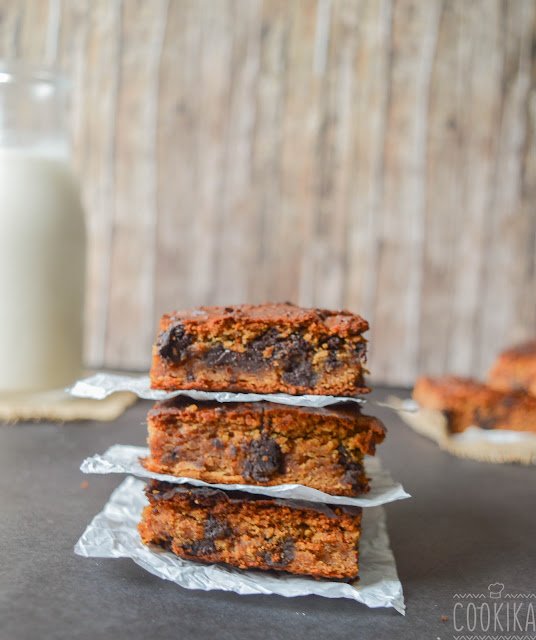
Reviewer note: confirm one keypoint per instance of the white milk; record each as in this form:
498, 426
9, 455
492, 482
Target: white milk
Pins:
42, 271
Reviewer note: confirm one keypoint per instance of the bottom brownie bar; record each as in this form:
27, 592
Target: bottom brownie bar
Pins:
252, 532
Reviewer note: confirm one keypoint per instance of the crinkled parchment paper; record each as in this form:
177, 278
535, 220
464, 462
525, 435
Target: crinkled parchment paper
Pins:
486, 445
113, 534
125, 459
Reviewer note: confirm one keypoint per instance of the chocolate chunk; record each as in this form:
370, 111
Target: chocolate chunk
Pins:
263, 459
165, 541
510, 401
484, 421
171, 456
255, 349
301, 375
352, 476
353, 469
334, 343
292, 347
449, 417
264, 340
215, 529
217, 355
292, 354
157, 490
282, 555
173, 343
287, 350
199, 547
332, 362
360, 349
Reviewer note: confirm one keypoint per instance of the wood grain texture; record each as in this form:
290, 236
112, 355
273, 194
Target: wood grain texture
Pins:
378, 155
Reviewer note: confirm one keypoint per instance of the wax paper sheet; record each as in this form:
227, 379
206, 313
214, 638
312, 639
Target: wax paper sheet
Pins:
113, 534
125, 459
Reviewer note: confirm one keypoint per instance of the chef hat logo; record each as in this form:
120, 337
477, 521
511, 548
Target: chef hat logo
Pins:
495, 589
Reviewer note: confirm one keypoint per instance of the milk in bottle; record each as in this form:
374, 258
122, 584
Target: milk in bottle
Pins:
42, 237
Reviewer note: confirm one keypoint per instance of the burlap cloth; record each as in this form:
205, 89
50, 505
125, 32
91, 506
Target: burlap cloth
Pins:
433, 424
59, 406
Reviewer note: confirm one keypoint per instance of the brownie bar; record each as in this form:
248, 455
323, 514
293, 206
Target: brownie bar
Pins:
267, 348
263, 443
515, 369
245, 531
466, 403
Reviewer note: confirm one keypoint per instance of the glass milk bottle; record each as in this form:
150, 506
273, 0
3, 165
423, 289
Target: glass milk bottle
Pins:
42, 236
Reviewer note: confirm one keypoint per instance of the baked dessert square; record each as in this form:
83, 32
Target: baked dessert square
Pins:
466, 402
267, 348
515, 369
263, 443
250, 532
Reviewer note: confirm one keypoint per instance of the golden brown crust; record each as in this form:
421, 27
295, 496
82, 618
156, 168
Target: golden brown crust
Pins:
467, 402
211, 320
263, 443
265, 348
248, 532
515, 369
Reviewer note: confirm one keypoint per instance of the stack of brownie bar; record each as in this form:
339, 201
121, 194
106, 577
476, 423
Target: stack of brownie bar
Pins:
270, 348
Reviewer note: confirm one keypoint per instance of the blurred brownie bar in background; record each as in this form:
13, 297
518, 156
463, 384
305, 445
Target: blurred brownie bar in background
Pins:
251, 532
263, 443
515, 369
265, 348
466, 402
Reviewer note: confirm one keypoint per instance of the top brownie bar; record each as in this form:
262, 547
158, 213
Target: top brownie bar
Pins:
267, 348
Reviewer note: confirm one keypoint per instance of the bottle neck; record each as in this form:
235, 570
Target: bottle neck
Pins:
32, 110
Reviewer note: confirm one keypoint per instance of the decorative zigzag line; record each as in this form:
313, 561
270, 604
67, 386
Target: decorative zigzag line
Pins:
526, 596
488, 637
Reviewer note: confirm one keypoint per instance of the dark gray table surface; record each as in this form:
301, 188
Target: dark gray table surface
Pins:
467, 525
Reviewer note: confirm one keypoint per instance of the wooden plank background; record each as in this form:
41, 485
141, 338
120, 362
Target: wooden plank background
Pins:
377, 155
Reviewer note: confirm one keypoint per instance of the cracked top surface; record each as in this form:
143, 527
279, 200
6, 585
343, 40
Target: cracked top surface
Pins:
342, 323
